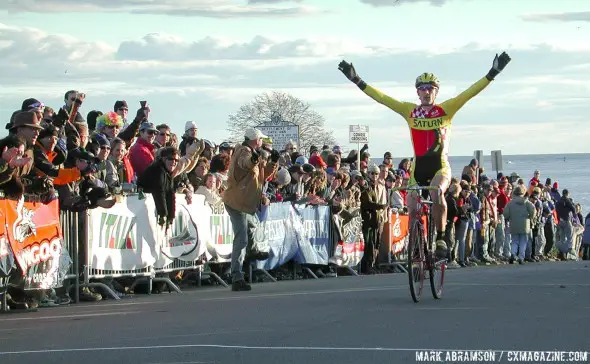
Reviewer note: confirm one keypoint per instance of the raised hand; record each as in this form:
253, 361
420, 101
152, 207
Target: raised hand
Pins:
498, 65
501, 61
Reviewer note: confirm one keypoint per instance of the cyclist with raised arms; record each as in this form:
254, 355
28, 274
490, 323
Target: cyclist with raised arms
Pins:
430, 130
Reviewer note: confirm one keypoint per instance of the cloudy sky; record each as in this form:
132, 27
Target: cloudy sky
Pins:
201, 59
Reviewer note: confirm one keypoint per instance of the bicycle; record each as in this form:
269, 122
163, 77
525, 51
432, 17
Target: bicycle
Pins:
420, 250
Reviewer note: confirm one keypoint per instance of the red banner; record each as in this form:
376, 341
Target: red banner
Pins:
35, 237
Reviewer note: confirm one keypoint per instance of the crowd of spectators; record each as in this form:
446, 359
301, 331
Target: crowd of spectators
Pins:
89, 161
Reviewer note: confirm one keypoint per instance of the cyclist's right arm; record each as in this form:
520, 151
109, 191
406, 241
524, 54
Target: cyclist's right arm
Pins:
402, 108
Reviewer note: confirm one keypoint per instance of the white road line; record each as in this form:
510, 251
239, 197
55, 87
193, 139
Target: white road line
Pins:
84, 315
234, 347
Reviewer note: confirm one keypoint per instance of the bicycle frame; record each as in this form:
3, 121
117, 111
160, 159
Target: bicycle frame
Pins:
421, 256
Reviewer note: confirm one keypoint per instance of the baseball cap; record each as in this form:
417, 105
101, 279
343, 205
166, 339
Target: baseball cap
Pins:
336, 149
252, 134
147, 126
301, 160
387, 155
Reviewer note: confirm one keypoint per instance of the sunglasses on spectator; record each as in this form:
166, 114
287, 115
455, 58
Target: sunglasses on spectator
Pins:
105, 147
151, 132
374, 173
165, 134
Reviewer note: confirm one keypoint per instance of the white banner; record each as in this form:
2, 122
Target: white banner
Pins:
188, 236
121, 238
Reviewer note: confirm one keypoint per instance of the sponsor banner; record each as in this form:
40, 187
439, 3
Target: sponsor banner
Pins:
312, 228
122, 237
219, 243
399, 230
276, 235
351, 243
183, 240
6, 256
36, 240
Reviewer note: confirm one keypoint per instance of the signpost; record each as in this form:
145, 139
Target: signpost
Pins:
497, 162
280, 131
358, 134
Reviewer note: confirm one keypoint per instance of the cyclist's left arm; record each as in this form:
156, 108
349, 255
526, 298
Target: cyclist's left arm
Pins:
453, 105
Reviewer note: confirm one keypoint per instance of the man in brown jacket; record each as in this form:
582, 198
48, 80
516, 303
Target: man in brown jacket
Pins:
242, 199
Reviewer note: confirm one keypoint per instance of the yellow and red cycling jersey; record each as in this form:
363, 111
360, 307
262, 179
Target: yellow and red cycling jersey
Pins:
430, 130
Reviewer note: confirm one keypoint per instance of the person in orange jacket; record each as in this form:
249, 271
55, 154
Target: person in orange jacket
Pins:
44, 156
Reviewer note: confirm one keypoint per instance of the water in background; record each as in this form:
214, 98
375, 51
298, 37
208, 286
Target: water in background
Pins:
571, 171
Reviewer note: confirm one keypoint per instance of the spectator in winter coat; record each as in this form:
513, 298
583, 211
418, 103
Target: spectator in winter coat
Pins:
565, 211
158, 180
143, 152
243, 198
519, 212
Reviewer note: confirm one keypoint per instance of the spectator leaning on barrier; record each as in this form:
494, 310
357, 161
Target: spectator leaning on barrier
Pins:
242, 199
158, 180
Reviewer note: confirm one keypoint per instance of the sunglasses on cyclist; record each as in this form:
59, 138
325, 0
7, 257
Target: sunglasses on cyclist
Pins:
426, 87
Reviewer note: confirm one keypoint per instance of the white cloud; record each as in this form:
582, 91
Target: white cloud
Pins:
580, 16
165, 47
379, 3
184, 8
210, 78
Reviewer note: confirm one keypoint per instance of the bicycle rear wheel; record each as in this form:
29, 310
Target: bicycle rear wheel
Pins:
416, 260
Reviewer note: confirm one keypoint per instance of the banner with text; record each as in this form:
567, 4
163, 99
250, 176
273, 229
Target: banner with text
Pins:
312, 228
34, 234
6, 256
122, 237
277, 236
351, 243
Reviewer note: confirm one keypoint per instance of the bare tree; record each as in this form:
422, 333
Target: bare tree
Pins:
291, 109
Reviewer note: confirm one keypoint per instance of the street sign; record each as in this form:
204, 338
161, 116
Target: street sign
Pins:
280, 131
358, 134
497, 162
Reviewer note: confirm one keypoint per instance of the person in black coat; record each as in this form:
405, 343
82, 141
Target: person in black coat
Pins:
159, 181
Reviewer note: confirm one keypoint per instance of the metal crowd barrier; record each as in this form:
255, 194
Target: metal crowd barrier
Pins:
75, 230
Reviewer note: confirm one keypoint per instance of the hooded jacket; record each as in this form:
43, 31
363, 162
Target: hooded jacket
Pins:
519, 211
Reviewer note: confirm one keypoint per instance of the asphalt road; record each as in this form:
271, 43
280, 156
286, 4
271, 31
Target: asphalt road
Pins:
369, 319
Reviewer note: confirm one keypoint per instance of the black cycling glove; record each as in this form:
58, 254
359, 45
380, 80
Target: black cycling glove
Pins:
350, 73
498, 65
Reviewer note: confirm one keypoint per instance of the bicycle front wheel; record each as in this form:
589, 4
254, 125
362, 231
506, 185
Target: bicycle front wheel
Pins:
416, 260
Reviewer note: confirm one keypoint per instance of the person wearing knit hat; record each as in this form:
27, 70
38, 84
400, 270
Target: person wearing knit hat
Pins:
122, 109
313, 150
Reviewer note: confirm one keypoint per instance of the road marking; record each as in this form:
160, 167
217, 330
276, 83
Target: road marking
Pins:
84, 315
234, 347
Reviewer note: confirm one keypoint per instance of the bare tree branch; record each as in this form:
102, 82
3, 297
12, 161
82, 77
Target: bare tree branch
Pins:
290, 108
